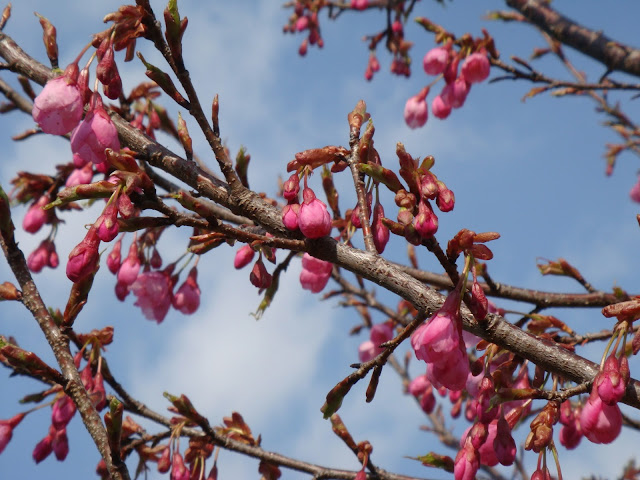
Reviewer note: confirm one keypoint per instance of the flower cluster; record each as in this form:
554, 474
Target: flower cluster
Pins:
311, 217
444, 61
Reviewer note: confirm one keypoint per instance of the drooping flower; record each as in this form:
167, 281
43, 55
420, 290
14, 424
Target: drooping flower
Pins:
436, 60
130, 268
426, 222
467, 463
476, 68
80, 176
60, 443
243, 257
114, 257
36, 216
455, 93
95, 134
43, 449
187, 298
84, 257
314, 220
379, 230
153, 290
600, 423
259, 276
315, 273
612, 381
440, 108
290, 216
416, 112
6, 429
43, 256
59, 107
62, 412
107, 224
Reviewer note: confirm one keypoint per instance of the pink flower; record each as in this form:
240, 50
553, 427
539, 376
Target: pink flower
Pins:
43, 449
290, 216
302, 23
445, 200
128, 272
36, 216
6, 429
426, 222
379, 230
113, 259
62, 412
612, 381
486, 450
58, 108
259, 276
80, 176
600, 423
503, 444
178, 469
475, 68
359, 4
43, 256
84, 257
60, 443
436, 60
635, 192
466, 463
455, 93
291, 187
315, 273
416, 112
187, 298
243, 257
95, 134
153, 290
440, 108
368, 351
541, 474
419, 385
107, 223
314, 220
164, 463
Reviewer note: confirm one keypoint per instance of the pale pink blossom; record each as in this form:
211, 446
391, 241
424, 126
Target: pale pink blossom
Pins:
58, 108
80, 176
128, 272
612, 381
315, 273
243, 257
416, 112
153, 290
290, 216
476, 67
6, 429
600, 423
84, 257
436, 60
440, 108
95, 134
314, 220
187, 298
36, 216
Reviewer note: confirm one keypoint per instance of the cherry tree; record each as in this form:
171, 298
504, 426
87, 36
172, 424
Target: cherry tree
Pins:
146, 160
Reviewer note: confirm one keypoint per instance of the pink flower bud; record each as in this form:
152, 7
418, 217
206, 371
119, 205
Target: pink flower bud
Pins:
467, 463
107, 73
476, 67
43, 256
600, 423
121, 291
6, 429
59, 107
98, 393
107, 224
95, 134
436, 60
113, 259
84, 257
36, 216
455, 93
243, 257
62, 412
415, 112
315, 273
451, 72
359, 4
503, 444
187, 298
290, 216
164, 463
396, 27
379, 230
43, 449
291, 188
259, 276
612, 381
178, 469
153, 290
302, 23
80, 176
440, 108
156, 259
445, 199
314, 220
60, 444
426, 222
428, 186
419, 385
128, 272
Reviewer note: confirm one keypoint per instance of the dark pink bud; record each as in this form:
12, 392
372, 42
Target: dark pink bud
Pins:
467, 463
121, 291
243, 257
60, 444
259, 276
83, 85
36, 216
476, 67
290, 216
80, 176
426, 222
440, 108
314, 220
42, 449
187, 298
436, 60
485, 411
113, 259
156, 259
125, 207
107, 74
503, 444
302, 50
59, 107
107, 223
154, 292
445, 199
84, 257
6, 429
455, 93
62, 412
95, 134
451, 72
396, 27
178, 469
291, 188
39, 258
416, 112
164, 463
359, 4
541, 474
379, 230
98, 393
612, 381
130, 268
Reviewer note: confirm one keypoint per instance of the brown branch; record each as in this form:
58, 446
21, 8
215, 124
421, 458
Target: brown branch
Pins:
595, 44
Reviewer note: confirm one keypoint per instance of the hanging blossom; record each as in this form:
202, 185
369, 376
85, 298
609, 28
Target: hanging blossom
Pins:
59, 107
154, 292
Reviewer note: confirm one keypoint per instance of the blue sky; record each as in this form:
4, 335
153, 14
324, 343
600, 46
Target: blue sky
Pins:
532, 171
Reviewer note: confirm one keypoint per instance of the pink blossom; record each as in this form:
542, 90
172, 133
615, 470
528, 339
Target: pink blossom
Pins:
315, 273
451, 371
541, 474
153, 290
302, 23
314, 220
128, 272
379, 230
259, 276
178, 469
95, 134
80, 176
107, 224
612, 381
187, 298
426, 222
475, 68
36, 216
58, 108
60, 443
419, 385
43, 449
445, 199
290, 216
62, 412
503, 444
6, 429
571, 434
243, 257
436, 60
600, 423
43, 256
84, 257
291, 188
466, 463
455, 93
164, 462
440, 108
113, 259
486, 450
359, 4
416, 112
368, 351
